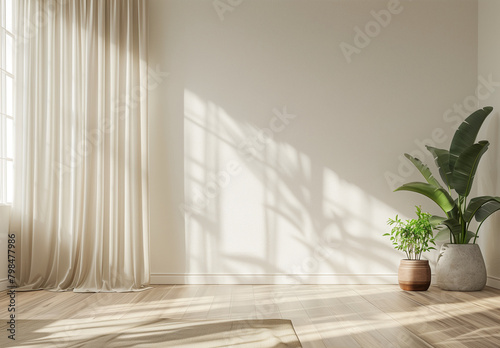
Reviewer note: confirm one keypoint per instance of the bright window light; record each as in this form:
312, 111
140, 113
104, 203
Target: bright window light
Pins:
6, 101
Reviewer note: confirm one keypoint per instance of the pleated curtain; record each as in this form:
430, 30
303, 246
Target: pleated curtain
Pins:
80, 212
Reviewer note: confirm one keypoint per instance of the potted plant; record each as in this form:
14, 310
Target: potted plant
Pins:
460, 265
414, 237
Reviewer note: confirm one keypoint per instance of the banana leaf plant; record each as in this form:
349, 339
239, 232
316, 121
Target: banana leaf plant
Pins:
457, 168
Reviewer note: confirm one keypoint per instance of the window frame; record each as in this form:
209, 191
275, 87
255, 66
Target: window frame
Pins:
7, 114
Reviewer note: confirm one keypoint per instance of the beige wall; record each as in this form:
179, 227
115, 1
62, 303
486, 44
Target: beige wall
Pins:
311, 195
489, 64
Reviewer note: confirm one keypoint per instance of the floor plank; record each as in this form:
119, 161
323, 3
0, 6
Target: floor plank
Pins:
323, 315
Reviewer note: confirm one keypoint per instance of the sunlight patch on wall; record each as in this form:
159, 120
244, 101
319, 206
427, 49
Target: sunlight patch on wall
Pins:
356, 223
256, 204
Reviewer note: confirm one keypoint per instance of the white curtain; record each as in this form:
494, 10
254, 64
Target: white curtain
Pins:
80, 212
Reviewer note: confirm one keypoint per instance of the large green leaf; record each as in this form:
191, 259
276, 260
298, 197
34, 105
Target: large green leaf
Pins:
437, 194
454, 227
475, 205
424, 169
466, 134
436, 220
442, 159
443, 232
469, 236
466, 166
487, 209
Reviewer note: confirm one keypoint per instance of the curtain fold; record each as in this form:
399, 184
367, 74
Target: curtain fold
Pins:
80, 211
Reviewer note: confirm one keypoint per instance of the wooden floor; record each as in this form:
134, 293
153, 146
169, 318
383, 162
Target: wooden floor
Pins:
323, 315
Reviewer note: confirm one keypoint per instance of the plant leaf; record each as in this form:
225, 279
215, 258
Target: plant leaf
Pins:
436, 220
437, 194
442, 159
454, 226
424, 169
487, 209
466, 166
466, 134
469, 236
475, 205
444, 230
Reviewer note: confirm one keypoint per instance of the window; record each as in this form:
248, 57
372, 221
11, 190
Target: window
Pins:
6, 101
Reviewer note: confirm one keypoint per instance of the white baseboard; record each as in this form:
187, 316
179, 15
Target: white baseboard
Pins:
248, 279
3, 284
494, 282
191, 278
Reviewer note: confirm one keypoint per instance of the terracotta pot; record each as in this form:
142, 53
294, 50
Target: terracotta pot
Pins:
414, 275
460, 267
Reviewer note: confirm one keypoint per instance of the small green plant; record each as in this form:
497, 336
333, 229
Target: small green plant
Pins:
412, 236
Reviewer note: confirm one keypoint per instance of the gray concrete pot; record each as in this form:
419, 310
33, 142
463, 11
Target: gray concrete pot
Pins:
460, 267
